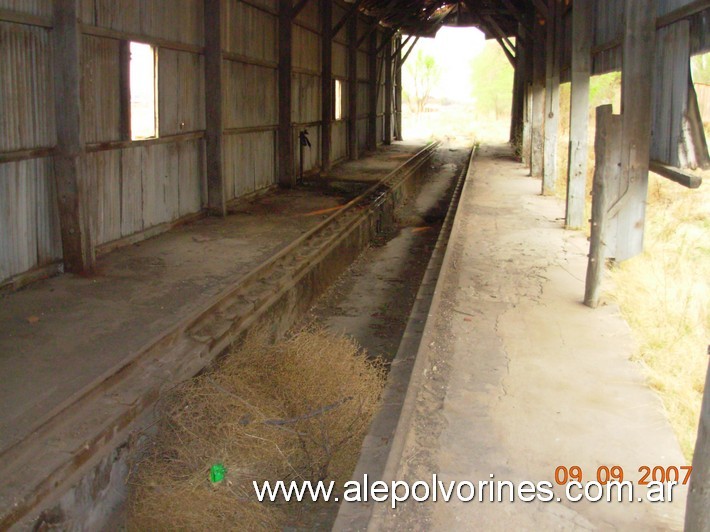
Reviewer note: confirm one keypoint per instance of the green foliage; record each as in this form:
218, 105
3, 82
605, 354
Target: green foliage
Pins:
422, 73
492, 81
701, 68
605, 89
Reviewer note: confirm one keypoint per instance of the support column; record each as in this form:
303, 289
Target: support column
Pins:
552, 99
636, 90
287, 177
327, 81
388, 93
697, 514
73, 192
538, 101
582, 17
517, 110
373, 92
398, 90
352, 87
214, 130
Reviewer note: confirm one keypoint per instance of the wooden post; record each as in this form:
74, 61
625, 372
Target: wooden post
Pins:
607, 147
326, 81
352, 87
527, 94
75, 200
388, 93
372, 92
398, 91
518, 105
636, 88
214, 130
125, 89
582, 29
287, 177
697, 513
552, 98
538, 102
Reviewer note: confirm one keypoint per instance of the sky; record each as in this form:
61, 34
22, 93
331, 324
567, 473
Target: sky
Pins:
453, 49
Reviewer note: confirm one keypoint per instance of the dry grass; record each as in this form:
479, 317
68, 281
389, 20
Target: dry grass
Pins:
664, 295
295, 410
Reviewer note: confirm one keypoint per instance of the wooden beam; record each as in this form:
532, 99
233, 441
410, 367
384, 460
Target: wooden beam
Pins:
675, 174
125, 89
406, 56
326, 14
214, 125
367, 33
517, 106
688, 10
73, 191
606, 176
552, 98
353, 151
387, 59
524, 27
287, 177
538, 103
636, 92
346, 17
398, 91
500, 33
373, 89
386, 39
697, 513
581, 71
298, 8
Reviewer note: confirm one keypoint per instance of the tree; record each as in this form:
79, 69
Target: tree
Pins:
492, 81
423, 74
701, 68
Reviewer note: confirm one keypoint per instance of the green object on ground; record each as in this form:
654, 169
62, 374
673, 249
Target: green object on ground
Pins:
217, 473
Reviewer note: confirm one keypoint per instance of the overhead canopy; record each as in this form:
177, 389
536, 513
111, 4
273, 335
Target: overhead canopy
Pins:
426, 17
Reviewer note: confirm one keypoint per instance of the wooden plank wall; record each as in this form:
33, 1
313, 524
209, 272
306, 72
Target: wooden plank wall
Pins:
137, 186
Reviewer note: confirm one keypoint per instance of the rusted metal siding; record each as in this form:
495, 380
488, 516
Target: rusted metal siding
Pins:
174, 20
249, 162
28, 217
181, 98
40, 8
100, 90
250, 31
26, 106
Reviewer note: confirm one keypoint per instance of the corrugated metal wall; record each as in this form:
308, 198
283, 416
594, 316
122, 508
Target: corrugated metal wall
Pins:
139, 185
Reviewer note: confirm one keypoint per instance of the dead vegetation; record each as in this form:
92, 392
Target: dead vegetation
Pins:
295, 410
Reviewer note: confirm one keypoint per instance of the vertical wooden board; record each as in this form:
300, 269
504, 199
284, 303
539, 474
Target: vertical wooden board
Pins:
49, 238
306, 49
176, 20
340, 60
41, 8
266, 163
26, 105
362, 65
169, 81
250, 31
228, 167
339, 144
110, 175
310, 14
18, 239
191, 94
100, 90
190, 199
87, 174
172, 184
87, 12
119, 15
362, 134
131, 191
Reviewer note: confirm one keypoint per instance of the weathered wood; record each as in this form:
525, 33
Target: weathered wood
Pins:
697, 513
676, 174
607, 147
387, 138
636, 92
695, 146
538, 102
73, 191
125, 89
214, 120
326, 14
351, 14
372, 91
409, 52
581, 70
552, 98
17, 17
518, 104
686, 11
287, 177
398, 91
352, 88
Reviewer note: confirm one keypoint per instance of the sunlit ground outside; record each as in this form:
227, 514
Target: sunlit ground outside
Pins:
459, 87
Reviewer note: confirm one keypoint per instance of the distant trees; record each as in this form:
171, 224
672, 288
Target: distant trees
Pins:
492, 81
701, 68
423, 74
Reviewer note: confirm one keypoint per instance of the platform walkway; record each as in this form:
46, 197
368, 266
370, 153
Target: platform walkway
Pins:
515, 377
59, 335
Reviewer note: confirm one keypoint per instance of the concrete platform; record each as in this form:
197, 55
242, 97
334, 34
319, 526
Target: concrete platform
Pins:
62, 337
515, 377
